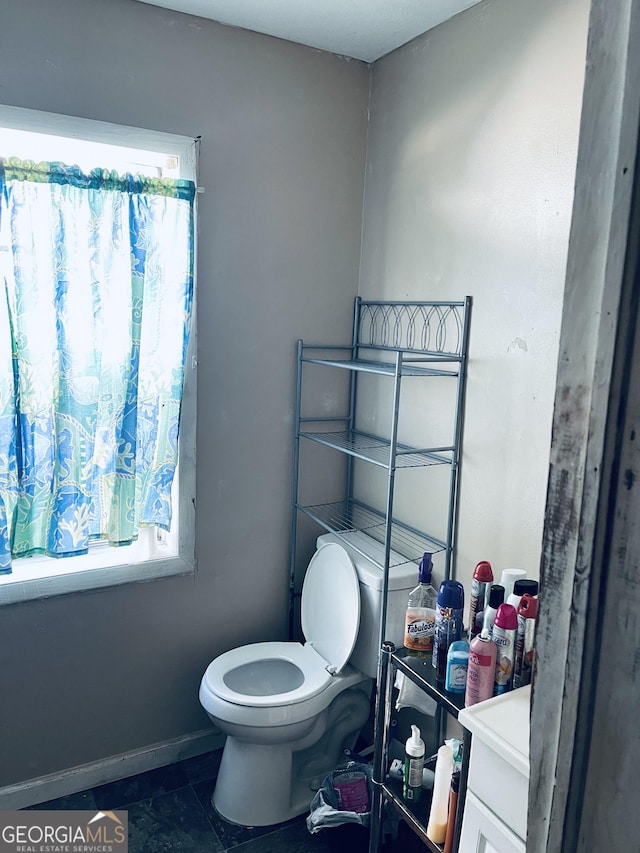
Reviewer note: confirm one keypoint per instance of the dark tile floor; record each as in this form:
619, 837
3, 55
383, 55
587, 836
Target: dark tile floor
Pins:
170, 811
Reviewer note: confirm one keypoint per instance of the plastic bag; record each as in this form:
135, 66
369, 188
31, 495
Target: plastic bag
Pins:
343, 797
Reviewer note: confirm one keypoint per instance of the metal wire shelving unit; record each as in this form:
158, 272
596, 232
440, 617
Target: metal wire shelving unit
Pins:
398, 342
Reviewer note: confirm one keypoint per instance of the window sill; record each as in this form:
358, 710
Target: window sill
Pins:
27, 589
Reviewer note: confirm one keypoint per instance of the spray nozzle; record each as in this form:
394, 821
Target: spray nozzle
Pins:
425, 568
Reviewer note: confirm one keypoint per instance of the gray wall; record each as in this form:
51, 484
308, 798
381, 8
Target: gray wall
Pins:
470, 173
282, 159
470, 164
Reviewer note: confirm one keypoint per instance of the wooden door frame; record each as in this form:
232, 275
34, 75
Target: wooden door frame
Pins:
584, 748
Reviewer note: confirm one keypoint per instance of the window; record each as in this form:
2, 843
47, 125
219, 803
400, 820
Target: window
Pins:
156, 552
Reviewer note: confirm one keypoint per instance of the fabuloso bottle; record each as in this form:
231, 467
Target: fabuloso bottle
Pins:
421, 611
413, 766
503, 635
480, 583
481, 669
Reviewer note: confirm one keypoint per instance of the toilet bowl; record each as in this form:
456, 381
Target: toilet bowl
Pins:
290, 709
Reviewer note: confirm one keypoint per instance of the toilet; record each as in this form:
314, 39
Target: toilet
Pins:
290, 709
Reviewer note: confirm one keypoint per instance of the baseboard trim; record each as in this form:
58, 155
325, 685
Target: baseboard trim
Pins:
54, 785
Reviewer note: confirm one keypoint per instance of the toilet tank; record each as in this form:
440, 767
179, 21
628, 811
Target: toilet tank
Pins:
402, 579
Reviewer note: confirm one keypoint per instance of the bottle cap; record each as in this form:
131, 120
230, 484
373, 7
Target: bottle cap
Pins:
528, 607
425, 569
508, 578
524, 585
483, 572
506, 617
458, 647
414, 745
484, 636
451, 594
496, 596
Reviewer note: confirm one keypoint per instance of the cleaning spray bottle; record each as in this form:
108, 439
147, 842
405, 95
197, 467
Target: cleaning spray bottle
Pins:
480, 583
421, 611
413, 766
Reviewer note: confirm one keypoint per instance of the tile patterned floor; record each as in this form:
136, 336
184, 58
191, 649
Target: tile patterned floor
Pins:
170, 811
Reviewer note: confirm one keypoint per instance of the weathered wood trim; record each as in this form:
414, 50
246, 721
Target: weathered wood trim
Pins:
583, 459
603, 811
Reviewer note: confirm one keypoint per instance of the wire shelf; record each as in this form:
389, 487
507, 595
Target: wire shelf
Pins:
408, 367
407, 545
377, 450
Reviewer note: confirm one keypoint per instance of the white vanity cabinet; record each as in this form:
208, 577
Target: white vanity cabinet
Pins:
495, 812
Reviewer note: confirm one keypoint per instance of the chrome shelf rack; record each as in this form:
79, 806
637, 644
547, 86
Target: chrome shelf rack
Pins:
401, 341
398, 342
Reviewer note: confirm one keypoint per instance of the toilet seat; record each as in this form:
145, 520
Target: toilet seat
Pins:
273, 674
224, 675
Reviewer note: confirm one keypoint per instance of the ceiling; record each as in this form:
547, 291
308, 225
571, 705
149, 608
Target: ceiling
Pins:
361, 29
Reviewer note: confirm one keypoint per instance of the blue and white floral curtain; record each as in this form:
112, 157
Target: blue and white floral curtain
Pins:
96, 290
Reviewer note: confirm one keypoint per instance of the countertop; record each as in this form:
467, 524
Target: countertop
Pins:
503, 724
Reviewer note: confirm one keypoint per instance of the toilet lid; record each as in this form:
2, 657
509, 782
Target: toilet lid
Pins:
330, 605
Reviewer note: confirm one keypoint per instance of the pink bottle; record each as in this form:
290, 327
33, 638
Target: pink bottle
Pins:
481, 669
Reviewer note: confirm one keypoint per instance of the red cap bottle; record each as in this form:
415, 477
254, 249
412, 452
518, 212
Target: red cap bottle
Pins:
504, 636
480, 583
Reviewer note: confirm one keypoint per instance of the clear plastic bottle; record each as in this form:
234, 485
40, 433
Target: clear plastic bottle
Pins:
421, 611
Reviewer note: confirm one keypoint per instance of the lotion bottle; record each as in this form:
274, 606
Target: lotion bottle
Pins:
437, 826
413, 766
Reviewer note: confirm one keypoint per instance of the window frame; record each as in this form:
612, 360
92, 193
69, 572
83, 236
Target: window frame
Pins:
23, 585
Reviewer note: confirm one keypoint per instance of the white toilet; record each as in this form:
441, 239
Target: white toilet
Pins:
289, 710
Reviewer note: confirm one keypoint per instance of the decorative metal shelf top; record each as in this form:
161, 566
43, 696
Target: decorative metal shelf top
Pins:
376, 450
436, 328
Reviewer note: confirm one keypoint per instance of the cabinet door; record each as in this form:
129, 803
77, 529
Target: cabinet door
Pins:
483, 832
